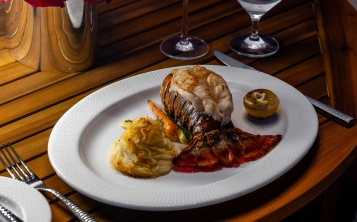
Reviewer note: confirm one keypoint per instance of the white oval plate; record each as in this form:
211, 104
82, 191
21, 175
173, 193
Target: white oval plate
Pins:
80, 141
24, 201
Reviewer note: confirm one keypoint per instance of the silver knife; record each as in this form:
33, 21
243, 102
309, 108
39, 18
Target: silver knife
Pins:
8, 214
336, 115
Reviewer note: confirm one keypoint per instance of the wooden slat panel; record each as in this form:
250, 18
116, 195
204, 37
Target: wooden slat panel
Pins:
32, 146
231, 23
131, 12
2, 42
41, 172
315, 88
74, 85
286, 36
337, 25
63, 188
2, 19
44, 122
5, 58
133, 28
103, 7
13, 71
302, 72
60, 212
303, 50
38, 122
30, 84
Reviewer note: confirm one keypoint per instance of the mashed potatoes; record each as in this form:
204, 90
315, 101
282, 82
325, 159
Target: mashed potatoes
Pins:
142, 150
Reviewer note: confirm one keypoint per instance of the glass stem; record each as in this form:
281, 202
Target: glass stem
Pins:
254, 35
184, 32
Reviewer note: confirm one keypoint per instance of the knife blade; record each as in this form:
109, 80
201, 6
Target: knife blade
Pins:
322, 108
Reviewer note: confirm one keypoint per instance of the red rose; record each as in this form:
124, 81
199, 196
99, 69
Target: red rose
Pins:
45, 3
93, 1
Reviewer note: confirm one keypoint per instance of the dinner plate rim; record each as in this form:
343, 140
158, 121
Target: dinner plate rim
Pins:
161, 200
32, 203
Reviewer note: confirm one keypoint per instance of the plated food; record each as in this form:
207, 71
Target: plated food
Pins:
94, 126
142, 150
200, 101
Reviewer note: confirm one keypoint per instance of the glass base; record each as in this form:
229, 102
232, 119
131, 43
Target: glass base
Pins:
194, 49
263, 46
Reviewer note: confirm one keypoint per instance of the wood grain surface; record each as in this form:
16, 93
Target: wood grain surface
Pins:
337, 22
130, 32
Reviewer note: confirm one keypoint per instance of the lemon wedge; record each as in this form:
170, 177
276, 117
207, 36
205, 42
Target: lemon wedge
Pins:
261, 103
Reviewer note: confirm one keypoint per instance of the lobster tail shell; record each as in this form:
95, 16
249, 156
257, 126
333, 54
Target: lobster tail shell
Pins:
183, 112
212, 147
197, 156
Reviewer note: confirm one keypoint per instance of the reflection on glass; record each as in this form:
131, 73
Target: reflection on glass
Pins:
184, 47
255, 44
52, 39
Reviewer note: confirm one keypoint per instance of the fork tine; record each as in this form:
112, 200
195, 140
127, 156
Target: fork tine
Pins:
22, 162
10, 165
38, 184
14, 163
7, 168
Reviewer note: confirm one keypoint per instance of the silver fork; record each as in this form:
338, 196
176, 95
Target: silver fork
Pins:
26, 175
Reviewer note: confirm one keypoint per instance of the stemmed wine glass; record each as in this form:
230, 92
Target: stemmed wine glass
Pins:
254, 44
184, 47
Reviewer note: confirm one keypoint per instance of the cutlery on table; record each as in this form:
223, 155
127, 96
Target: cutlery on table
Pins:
8, 214
336, 115
26, 175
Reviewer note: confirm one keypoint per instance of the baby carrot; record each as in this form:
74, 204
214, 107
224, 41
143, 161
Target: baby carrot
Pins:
169, 126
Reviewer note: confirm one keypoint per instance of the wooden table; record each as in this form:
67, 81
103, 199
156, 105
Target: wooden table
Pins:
130, 32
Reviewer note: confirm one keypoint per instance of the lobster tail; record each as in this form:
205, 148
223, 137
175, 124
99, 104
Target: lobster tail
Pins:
183, 112
226, 148
197, 156
255, 146
212, 146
